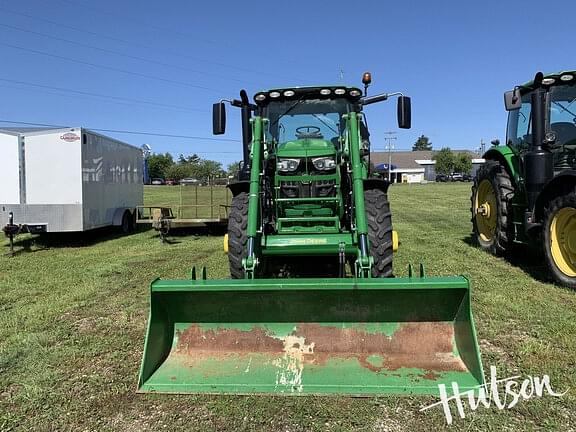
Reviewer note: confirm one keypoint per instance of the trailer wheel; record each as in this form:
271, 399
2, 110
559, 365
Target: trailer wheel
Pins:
237, 238
127, 223
491, 208
379, 220
560, 239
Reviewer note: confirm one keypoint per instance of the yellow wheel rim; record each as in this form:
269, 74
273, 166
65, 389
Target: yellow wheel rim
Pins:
563, 240
485, 211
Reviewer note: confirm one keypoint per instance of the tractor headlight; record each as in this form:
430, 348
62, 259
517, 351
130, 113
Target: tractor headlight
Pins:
287, 165
324, 163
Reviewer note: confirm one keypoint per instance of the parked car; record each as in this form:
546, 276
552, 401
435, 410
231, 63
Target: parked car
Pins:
467, 177
157, 181
442, 178
190, 181
172, 182
456, 177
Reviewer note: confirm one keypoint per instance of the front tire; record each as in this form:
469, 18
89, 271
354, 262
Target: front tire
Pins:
379, 220
560, 239
491, 208
237, 238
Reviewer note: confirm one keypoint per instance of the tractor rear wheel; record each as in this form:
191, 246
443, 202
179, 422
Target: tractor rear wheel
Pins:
560, 239
379, 220
491, 207
237, 238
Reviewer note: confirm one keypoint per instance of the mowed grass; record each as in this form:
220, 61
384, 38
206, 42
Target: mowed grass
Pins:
73, 314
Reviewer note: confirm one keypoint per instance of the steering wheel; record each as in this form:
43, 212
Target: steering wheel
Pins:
307, 130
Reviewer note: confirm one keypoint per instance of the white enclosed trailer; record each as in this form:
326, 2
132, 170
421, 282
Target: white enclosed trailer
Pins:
70, 179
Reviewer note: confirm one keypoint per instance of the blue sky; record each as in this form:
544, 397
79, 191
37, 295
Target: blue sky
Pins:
160, 65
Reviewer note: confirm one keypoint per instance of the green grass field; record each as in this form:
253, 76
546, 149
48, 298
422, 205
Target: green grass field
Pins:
73, 313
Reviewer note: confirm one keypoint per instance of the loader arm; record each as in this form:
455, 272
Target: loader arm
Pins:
364, 261
254, 217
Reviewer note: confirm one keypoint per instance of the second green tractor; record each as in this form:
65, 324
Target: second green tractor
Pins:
525, 193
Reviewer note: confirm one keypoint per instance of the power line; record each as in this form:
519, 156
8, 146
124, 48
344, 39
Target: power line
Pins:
200, 138
119, 98
121, 54
138, 74
141, 45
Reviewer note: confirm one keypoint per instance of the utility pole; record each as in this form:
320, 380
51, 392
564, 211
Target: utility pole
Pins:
482, 147
390, 146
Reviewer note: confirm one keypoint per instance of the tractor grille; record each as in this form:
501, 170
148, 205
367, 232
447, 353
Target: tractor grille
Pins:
312, 189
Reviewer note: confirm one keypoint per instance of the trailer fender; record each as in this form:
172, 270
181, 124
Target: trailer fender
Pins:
119, 213
559, 185
239, 187
375, 183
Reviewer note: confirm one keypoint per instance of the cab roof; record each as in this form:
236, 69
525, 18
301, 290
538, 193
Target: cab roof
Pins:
551, 75
351, 93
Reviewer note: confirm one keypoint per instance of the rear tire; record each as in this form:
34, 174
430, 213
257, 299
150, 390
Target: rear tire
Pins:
560, 239
491, 208
237, 238
127, 222
379, 220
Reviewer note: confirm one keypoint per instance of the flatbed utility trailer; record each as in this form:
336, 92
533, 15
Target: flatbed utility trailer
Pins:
67, 180
199, 207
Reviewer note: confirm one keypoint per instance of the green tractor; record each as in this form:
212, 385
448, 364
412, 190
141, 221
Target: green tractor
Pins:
312, 305
525, 193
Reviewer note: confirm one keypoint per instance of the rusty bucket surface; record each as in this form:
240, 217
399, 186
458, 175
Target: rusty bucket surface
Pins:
310, 336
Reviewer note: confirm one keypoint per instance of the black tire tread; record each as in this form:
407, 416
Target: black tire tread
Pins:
379, 218
553, 206
502, 184
237, 238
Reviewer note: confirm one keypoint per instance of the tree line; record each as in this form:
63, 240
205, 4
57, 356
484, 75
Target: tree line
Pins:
204, 170
447, 161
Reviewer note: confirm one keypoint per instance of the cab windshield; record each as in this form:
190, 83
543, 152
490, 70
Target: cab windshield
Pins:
306, 118
563, 114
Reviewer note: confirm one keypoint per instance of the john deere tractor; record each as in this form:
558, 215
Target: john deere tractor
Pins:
312, 306
312, 193
525, 193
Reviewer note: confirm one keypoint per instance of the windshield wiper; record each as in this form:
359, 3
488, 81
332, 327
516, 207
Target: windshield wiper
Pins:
290, 108
564, 108
326, 124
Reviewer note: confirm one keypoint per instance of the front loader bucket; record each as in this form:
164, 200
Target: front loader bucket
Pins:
310, 336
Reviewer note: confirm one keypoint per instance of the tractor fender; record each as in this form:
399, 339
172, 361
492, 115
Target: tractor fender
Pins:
239, 187
118, 214
561, 184
376, 183
507, 158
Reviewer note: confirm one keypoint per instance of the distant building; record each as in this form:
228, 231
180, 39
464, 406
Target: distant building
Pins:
415, 166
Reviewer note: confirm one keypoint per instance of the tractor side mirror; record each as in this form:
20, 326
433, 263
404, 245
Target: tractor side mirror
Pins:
404, 112
218, 118
512, 100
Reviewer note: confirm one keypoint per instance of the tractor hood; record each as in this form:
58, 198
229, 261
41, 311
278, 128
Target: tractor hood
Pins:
306, 147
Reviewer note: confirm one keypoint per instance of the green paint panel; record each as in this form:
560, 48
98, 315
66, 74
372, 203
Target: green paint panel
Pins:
310, 336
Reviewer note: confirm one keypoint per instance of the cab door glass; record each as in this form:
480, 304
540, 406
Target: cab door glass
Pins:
522, 137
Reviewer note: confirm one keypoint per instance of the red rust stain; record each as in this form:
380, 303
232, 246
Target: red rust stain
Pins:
421, 345
430, 375
195, 338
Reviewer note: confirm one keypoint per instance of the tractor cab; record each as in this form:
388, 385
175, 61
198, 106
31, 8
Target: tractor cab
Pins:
558, 118
306, 131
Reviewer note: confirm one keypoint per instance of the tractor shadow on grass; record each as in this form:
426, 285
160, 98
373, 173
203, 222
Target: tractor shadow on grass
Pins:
174, 233
523, 257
